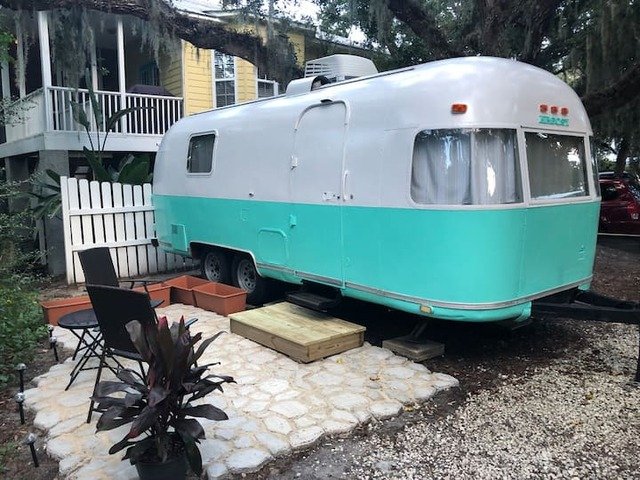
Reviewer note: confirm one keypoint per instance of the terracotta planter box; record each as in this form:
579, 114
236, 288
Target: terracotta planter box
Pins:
158, 291
220, 298
54, 309
182, 288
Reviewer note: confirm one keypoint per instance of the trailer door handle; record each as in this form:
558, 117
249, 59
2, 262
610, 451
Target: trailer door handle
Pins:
344, 185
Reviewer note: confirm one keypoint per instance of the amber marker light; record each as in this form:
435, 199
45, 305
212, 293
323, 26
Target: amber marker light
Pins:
426, 309
544, 108
459, 108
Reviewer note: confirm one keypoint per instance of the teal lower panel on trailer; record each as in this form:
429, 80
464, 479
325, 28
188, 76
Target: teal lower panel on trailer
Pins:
464, 264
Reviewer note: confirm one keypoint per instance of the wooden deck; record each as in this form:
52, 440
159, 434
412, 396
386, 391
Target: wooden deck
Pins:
302, 334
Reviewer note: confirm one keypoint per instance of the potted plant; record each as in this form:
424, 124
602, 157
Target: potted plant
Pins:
161, 440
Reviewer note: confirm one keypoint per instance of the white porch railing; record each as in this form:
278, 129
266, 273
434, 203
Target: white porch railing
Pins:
29, 116
117, 216
157, 113
26, 117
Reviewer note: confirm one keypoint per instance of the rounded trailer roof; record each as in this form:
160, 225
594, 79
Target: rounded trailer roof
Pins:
498, 92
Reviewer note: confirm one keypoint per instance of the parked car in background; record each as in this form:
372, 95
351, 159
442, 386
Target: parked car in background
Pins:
620, 209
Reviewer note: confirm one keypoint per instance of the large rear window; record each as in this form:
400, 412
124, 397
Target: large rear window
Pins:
557, 166
466, 167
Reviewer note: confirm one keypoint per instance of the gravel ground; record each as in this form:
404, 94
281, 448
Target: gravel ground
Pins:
552, 400
562, 421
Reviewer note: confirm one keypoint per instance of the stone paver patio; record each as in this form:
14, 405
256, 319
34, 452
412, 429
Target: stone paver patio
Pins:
277, 406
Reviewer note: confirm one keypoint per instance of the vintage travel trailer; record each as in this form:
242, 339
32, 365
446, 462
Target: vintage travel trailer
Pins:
460, 189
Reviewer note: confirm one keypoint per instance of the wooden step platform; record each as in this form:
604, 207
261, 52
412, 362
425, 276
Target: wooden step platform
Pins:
302, 334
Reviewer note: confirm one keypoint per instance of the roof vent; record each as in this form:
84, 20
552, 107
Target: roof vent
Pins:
305, 85
340, 67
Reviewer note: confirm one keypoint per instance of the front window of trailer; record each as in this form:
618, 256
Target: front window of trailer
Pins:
200, 155
557, 166
466, 167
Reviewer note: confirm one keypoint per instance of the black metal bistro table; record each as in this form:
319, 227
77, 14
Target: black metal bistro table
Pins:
84, 325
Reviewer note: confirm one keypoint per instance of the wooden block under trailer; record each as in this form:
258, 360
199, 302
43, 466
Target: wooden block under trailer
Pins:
302, 334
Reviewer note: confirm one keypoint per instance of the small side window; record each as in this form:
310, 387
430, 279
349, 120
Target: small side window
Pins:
200, 156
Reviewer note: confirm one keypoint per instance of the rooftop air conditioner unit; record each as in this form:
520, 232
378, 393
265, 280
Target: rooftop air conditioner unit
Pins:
340, 67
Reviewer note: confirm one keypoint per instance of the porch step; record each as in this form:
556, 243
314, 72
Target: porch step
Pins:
312, 300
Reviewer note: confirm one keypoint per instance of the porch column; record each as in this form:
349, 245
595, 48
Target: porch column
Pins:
121, 74
17, 170
94, 66
58, 161
45, 65
22, 87
6, 88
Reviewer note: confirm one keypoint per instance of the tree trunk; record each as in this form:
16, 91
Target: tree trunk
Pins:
621, 158
424, 25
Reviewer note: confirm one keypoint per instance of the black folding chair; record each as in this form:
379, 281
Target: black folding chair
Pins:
114, 308
99, 270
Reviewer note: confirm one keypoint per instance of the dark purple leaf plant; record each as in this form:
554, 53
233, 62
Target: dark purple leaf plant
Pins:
158, 407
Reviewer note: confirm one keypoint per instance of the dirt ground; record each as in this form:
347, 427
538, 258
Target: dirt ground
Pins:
485, 359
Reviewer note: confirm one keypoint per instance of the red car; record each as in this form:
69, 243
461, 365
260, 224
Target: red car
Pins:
620, 209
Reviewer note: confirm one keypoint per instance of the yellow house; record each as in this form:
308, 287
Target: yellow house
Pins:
45, 135
208, 79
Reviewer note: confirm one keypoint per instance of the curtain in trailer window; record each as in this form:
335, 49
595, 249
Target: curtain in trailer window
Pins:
495, 167
557, 166
441, 168
464, 167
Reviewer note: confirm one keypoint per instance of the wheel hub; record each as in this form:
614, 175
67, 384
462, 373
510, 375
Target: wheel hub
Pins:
212, 268
246, 275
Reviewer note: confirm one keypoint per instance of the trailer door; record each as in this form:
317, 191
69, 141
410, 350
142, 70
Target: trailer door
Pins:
316, 176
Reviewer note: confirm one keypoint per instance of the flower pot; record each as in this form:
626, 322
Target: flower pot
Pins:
220, 298
158, 291
173, 469
54, 309
182, 288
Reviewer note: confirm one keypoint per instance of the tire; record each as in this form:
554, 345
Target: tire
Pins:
215, 266
245, 276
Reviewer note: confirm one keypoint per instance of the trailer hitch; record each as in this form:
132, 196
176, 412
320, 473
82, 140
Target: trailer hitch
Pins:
587, 305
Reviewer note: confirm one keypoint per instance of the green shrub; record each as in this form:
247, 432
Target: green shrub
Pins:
21, 326
17, 233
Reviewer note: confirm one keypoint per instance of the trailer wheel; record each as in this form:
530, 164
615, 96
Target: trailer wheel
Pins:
215, 266
245, 276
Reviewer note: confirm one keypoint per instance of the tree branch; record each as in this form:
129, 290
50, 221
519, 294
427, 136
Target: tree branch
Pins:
424, 25
626, 89
200, 32
538, 19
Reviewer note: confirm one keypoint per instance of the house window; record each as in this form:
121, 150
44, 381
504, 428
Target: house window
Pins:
267, 88
200, 156
149, 75
225, 79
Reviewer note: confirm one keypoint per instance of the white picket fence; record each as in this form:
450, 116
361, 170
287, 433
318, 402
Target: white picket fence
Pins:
117, 216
